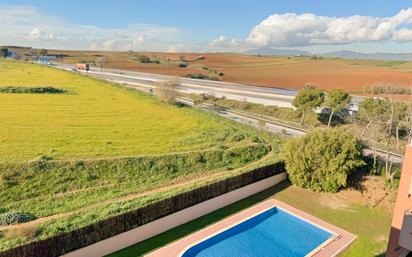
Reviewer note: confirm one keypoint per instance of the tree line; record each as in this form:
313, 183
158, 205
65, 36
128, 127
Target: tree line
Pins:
383, 118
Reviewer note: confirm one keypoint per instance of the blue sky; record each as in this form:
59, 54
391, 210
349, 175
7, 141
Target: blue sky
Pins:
204, 25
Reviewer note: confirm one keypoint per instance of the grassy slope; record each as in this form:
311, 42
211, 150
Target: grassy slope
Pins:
88, 132
94, 120
370, 225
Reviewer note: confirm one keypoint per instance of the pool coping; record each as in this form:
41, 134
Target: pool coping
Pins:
330, 248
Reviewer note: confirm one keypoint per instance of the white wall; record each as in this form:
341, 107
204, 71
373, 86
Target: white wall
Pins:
161, 225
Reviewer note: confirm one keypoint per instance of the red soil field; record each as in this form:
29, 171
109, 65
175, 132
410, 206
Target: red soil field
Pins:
283, 72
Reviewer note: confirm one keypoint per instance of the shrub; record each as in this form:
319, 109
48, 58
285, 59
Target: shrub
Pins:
13, 217
322, 159
182, 65
143, 59
29, 232
31, 90
3, 51
213, 76
197, 76
385, 89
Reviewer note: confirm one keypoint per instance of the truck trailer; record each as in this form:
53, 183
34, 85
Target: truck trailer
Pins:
82, 66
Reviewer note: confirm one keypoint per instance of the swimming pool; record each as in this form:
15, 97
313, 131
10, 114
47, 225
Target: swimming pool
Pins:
272, 233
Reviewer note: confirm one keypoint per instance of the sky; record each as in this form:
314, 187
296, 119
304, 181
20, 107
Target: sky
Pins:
208, 26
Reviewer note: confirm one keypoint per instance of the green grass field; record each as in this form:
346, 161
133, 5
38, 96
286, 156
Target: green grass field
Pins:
96, 150
94, 120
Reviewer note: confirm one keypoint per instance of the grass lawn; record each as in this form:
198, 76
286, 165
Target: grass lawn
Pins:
97, 150
370, 225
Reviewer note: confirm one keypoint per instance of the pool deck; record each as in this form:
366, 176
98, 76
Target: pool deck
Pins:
332, 247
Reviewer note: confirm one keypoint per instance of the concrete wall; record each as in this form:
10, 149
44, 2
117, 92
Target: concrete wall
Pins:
161, 225
403, 202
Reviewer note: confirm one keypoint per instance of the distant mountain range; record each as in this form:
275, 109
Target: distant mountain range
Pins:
372, 56
276, 52
338, 54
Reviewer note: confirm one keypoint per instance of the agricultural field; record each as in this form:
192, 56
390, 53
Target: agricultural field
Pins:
283, 72
75, 150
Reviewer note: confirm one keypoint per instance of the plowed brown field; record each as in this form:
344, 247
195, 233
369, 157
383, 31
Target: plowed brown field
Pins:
284, 72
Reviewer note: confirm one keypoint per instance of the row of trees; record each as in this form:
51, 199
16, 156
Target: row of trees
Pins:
311, 98
383, 119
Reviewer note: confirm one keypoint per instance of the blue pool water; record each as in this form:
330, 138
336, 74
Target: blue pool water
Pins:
273, 233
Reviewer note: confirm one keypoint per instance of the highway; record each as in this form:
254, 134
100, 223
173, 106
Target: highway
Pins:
234, 91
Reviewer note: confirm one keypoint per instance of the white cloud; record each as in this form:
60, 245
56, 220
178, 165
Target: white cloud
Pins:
42, 35
292, 29
224, 42
118, 43
403, 35
25, 25
221, 40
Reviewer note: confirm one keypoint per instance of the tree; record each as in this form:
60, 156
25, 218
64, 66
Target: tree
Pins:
372, 110
3, 51
408, 119
101, 62
322, 160
337, 100
43, 52
167, 91
308, 99
143, 59
400, 118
